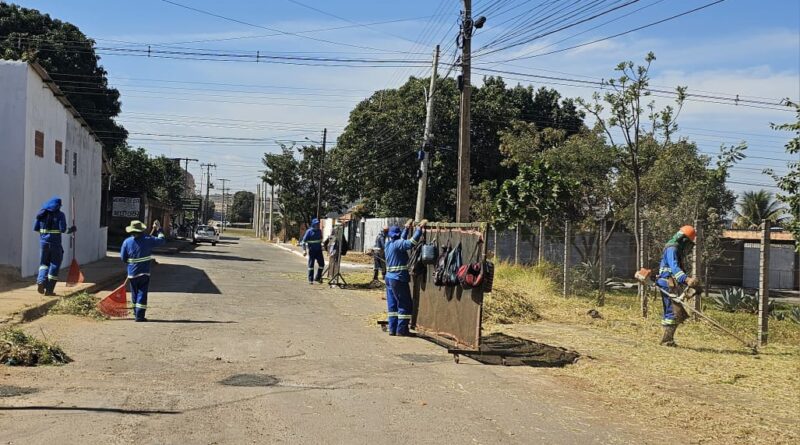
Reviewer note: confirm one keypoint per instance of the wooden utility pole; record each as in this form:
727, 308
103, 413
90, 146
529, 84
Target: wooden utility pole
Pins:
321, 173
516, 245
540, 259
426, 142
697, 265
208, 186
601, 250
224, 210
257, 212
567, 259
271, 200
763, 285
462, 199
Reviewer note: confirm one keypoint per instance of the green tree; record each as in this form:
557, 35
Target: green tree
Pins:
790, 182
537, 193
242, 207
639, 146
160, 178
757, 205
69, 56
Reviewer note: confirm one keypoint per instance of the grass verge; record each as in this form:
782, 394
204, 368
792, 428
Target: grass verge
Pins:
710, 386
20, 349
82, 305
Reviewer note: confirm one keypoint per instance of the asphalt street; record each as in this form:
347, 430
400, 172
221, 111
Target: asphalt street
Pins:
241, 350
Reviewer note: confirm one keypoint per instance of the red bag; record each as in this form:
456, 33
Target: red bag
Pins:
470, 275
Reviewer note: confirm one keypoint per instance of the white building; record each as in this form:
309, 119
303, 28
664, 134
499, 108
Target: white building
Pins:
47, 150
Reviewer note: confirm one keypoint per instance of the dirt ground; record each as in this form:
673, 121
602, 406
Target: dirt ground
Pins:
239, 351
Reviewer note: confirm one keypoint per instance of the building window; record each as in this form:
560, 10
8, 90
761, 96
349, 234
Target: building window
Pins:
66, 162
38, 144
75, 164
59, 152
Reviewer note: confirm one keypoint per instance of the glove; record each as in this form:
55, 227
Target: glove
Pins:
410, 223
156, 225
423, 223
305, 253
72, 229
692, 282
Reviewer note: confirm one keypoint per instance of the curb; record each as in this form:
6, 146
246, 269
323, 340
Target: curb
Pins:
343, 263
41, 309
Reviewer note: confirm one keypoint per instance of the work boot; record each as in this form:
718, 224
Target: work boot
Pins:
40, 288
669, 336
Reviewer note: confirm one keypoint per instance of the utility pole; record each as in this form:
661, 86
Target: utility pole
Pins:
426, 143
462, 191
208, 185
321, 173
256, 211
223, 181
271, 200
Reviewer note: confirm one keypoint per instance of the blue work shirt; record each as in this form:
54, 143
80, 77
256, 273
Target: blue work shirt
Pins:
670, 267
397, 255
137, 252
312, 240
50, 223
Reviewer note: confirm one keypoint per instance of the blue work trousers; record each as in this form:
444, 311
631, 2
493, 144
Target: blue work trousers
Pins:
674, 314
398, 300
50, 257
318, 258
139, 287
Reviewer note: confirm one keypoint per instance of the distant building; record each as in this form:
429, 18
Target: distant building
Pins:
47, 150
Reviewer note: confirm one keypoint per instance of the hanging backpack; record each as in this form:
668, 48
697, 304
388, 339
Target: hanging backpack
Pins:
441, 266
454, 262
471, 274
428, 253
416, 266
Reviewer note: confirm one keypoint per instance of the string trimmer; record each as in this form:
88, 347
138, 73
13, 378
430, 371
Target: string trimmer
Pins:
644, 276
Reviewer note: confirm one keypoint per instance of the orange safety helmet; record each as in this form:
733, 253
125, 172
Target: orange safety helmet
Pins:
689, 232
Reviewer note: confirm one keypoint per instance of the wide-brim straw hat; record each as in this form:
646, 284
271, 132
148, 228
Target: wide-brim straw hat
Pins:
136, 227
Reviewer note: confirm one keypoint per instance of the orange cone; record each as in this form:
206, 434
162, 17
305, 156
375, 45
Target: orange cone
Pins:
75, 276
116, 303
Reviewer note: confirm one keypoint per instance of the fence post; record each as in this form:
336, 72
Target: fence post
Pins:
601, 247
566, 258
540, 259
642, 251
763, 285
516, 245
697, 264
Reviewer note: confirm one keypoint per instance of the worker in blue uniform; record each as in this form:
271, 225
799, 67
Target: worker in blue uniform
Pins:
670, 276
136, 252
50, 223
398, 291
312, 247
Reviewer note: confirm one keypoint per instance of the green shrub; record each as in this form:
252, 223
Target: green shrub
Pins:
735, 299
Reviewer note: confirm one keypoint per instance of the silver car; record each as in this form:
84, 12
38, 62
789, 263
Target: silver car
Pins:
206, 234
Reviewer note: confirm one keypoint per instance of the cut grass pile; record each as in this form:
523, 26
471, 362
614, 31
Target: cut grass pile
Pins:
82, 304
710, 387
20, 349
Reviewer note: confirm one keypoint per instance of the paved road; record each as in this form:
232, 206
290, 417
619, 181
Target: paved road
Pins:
241, 308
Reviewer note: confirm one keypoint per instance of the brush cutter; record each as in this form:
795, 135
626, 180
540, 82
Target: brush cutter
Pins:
644, 276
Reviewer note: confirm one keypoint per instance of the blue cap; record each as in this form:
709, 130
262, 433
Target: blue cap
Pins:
395, 232
315, 222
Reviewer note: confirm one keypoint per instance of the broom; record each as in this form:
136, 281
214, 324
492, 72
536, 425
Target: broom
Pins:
115, 304
74, 276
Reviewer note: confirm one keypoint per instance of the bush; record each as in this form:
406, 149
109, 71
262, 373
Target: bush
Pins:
735, 299
586, 276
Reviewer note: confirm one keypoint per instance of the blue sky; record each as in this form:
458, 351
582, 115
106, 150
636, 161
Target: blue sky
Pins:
745, 47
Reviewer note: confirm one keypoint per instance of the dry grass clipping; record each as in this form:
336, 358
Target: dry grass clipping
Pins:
20, 349
82, 305
710, 386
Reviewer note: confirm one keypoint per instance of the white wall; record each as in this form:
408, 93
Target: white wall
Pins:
86, 193
13, 78
44, 178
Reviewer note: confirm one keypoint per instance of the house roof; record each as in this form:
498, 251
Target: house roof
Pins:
755, 235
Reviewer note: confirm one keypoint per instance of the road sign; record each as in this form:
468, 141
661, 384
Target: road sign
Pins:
190, 204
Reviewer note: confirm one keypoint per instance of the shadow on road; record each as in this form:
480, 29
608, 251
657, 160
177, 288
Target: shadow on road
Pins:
180, 278
150, 320
215, 256
138, 412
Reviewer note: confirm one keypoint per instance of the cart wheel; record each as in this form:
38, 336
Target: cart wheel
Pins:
455, 358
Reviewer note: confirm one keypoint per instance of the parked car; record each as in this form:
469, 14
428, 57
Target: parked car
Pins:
205, 234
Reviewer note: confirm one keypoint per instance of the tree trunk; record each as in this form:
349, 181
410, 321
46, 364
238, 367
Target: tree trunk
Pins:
637, 235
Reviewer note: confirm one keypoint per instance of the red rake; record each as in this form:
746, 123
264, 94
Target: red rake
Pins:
116, 303
75, 276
